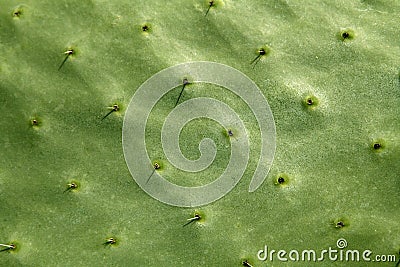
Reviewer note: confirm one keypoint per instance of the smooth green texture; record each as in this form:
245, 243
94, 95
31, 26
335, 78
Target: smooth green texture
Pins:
326, 151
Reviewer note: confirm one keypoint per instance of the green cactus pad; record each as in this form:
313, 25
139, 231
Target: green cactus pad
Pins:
330, 75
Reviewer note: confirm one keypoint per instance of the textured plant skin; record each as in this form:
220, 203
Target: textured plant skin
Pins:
52, 133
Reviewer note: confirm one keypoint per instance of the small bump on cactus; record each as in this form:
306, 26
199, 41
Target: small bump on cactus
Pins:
346, 35
378, 145
282, 180
72, 186
261, 53
195, 218
146, 28
113, 108
311, 102
67, 54
110, 241
341, 223
18, 12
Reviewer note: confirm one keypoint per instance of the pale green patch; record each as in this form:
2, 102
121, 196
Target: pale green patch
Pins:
147, 96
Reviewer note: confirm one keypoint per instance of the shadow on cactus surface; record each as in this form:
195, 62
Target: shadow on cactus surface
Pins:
328, 69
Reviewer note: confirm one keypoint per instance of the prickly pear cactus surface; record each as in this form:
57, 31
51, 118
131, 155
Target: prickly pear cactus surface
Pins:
328, 69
